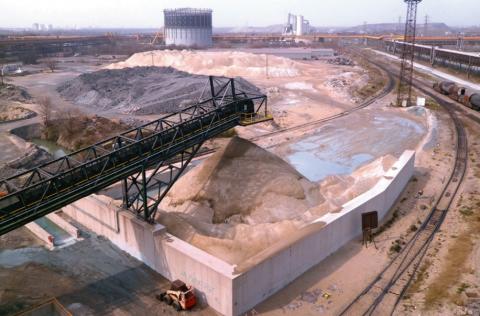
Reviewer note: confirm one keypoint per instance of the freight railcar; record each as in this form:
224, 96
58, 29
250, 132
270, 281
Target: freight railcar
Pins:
467, 97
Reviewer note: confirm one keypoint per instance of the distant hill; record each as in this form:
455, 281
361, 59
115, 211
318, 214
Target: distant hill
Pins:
434, 29
277, 28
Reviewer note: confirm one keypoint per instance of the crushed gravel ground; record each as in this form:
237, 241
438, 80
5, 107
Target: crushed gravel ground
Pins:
139, 90
10, 92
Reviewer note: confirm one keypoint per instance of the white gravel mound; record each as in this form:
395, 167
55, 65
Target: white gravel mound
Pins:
243, 199
226, 64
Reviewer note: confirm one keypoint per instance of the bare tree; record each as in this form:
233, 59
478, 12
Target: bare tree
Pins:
51, 64
69, 119
45, 110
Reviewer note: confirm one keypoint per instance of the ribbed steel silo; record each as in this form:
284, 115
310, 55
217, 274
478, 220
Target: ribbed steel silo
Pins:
188, 27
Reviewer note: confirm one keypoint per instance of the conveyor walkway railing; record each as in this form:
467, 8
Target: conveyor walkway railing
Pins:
142, 158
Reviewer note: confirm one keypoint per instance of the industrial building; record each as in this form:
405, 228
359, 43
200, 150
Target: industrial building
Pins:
296, 25
188, 27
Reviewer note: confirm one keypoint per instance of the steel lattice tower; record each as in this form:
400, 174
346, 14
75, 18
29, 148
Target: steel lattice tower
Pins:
408, 52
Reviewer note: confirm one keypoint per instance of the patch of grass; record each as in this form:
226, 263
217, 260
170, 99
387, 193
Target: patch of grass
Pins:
466, 211
422, 275
432, 105
376, 81
388, 223
454, 264
395, 247
453, 268
462, 288
75, 130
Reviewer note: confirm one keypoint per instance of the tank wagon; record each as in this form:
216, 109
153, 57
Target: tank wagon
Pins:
469, 98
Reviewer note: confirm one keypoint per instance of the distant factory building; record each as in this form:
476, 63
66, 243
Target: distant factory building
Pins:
188, 27
296, 25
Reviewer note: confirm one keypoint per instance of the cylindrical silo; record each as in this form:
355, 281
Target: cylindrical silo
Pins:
299, 30
188, 27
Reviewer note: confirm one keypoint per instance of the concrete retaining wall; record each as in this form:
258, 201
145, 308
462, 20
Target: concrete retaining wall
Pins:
41, 233
171, 257
262, 280
28, 132
229, 289
63, 224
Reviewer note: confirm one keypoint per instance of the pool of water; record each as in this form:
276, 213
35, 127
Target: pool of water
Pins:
51, 147
316, 168
338, 149
61, 236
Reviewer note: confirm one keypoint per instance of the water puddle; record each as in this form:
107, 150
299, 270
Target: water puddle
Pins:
51, 147
10, 258
62, 238
315, 168
337, 149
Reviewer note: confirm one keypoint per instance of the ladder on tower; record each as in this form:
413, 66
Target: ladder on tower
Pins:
404, 96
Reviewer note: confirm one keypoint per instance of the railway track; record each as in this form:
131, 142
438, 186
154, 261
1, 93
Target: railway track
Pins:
383, 294
385, 91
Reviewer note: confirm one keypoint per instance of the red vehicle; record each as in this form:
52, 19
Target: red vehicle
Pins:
180, 296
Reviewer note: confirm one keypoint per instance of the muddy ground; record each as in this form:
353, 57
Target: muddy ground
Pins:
82, 278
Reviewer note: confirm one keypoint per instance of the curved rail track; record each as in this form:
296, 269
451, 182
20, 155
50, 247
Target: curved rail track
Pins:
385, 91
389, 87
383, 294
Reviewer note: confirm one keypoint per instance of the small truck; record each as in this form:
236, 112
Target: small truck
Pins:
180, 296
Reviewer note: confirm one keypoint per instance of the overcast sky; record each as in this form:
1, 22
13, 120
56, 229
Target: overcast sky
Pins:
148, 13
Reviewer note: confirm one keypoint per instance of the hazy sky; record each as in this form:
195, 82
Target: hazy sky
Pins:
148, 13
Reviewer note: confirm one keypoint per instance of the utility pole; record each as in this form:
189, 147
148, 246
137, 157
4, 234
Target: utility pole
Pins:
425, 26
266, 65
365, 33
399, 27
404, 96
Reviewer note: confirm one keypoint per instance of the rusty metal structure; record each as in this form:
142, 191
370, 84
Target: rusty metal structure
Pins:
404, 97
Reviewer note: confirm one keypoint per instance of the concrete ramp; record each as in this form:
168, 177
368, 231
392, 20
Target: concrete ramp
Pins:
54, 231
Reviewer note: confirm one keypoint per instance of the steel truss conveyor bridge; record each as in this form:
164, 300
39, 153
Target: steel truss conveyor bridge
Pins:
147, 159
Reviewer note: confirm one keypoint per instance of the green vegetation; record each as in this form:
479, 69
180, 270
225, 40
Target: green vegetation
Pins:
455, 260
388, 223
422, 275
396, 247
432, 105
376, 80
